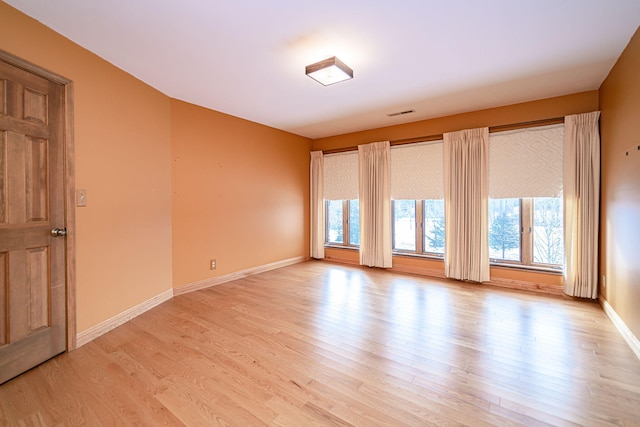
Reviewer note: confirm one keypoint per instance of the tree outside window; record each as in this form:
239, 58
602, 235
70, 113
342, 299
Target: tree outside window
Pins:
504, 229
434, 226
548, 240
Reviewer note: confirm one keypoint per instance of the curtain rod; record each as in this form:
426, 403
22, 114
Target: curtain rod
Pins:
437, 137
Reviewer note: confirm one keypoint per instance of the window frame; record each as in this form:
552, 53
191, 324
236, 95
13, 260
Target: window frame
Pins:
554, 267
526, 242
346, 232
523, 238
419, 231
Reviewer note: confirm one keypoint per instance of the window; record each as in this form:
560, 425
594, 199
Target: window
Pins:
342, 208
354, 223
404, 225
335, 223
525, 203
418, 226
433, 220
548, 239
342, 222
418, 198
504, 230
527, 231
525, 221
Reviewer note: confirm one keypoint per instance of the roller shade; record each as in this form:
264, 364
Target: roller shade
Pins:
416, 171
526, 162
341, 176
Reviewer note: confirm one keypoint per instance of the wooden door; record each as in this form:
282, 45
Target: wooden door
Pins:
32, 261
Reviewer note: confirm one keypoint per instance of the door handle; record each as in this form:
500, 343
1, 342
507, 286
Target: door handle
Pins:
58, 232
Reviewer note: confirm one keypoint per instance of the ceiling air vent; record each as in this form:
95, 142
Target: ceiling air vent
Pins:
401, 113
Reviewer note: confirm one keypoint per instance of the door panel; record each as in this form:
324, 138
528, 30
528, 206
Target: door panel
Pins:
36, 177
4, 288
32, 262
35, 106
3, 175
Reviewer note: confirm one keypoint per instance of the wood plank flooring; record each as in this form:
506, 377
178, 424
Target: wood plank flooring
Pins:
324, 344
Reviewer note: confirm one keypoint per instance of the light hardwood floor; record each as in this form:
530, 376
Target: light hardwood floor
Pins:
325, 344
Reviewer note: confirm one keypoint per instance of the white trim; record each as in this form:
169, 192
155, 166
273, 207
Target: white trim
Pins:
102, 328
203, 284
622, 327
94, 332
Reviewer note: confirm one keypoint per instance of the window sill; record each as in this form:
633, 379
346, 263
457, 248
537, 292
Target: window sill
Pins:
336, 246
422, 256
530, 268
395, 254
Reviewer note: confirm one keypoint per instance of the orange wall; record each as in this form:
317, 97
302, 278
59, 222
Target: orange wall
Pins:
510, 114
240, 193
517, 113
620, 198
123, 160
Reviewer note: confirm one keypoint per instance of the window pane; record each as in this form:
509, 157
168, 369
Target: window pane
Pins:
404, 225
434, 226
334, 221
548, 246
354, 222
504, 229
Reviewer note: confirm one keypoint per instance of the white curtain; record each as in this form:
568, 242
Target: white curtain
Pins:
581, 198
317, 205
466, 187
375, 204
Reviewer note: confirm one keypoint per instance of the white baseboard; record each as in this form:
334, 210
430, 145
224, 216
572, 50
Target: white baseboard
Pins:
102, 328
622, 327
203, 284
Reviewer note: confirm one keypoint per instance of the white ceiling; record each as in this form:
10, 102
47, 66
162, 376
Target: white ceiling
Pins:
437, 57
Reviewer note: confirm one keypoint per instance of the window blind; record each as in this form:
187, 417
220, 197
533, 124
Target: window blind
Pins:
416, 171
526, 162
341, 176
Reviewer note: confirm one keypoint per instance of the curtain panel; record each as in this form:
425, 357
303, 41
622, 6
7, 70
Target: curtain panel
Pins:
375, 204
581, 184
317, 205
466, 187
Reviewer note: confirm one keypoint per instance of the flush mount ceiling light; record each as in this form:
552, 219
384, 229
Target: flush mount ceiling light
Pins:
329, 71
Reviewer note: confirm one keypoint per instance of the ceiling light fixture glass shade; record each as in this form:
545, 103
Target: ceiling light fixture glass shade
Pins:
329, 71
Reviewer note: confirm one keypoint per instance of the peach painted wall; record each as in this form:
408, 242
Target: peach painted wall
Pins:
517, 113
240, 194
122, 159
620, 183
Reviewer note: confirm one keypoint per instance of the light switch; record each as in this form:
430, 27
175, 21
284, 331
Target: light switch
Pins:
81, 198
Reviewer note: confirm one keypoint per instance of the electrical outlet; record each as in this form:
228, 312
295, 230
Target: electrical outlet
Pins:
213, 264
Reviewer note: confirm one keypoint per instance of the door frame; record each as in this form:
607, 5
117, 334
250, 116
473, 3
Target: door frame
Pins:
69, 186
